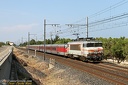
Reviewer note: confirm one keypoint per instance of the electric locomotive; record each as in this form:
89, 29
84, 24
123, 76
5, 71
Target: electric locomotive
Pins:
85, 50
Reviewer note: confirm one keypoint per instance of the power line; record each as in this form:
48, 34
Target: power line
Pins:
99, 22
109, 28
92, 24
122, 2
114, 18
109, 8
122, 16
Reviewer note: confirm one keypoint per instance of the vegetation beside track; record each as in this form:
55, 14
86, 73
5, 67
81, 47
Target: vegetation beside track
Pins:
115, 48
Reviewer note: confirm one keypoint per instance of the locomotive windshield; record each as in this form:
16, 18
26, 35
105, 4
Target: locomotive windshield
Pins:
92, 45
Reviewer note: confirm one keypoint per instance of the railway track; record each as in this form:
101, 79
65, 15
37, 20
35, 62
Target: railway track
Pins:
113, 65
101, 72
115, 68
114, 74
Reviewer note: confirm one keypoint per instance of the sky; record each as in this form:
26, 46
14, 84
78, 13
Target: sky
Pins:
18, 17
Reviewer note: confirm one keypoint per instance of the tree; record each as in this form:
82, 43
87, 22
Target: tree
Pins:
48, 41
55, 39
115, 48
117, 51
32, 42
107, 43
63, 41
39, 42
125, 48
2, 43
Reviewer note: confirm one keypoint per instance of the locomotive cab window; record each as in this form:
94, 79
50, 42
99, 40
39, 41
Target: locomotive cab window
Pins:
90, 44
98, 44
93, 45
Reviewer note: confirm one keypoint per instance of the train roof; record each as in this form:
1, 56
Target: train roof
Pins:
49, 45
76, 42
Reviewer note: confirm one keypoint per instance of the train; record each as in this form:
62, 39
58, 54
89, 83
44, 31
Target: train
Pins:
84, 50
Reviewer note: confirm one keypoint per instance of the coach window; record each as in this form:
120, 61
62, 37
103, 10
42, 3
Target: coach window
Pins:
54, 48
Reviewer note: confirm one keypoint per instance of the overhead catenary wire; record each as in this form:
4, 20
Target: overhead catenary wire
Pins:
118, 4
68, 31
120, 25
114, 18
71, 30
122, 2
108, 20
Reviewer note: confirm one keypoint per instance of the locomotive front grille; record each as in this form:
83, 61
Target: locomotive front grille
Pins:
95, 56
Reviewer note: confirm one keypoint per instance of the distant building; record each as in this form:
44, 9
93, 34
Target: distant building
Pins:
11, 43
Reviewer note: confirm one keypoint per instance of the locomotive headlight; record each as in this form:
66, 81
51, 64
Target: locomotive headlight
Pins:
91, 51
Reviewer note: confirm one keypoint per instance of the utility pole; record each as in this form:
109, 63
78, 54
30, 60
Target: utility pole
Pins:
28, 41
87, 28
45, 35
